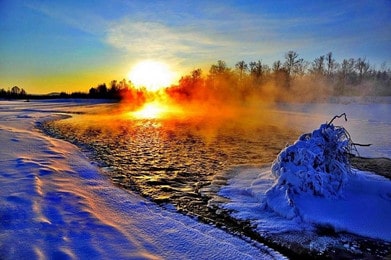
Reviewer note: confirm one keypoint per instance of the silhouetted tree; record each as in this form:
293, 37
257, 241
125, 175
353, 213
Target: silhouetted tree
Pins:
93, 93
330, 64
318, 66
362, 67
258, 70
242, 68
3, 93
292, 63
347, 70
219, 69
15, 91
276, 66
102, 90
22, 93
196, 74
189, 86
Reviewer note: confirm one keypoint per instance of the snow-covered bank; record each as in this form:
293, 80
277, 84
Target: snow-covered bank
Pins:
299, 193
364, 209
56, 204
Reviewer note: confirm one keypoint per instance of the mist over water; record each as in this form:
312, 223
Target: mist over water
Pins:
182, 156
170, 159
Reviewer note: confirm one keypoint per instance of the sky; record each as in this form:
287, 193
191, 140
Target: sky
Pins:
52, 46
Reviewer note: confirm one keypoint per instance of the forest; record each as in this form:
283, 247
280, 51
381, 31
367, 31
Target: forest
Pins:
293, 78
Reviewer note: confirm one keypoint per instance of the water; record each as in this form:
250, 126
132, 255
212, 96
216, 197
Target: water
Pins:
173, 160
170, 160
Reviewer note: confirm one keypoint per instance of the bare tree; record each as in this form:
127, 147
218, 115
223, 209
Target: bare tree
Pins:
302, 67
219, 68
276, 66
242, 67
346, 70
330, 63
362, 67
292, 63
257, 69
318, 66
196, 74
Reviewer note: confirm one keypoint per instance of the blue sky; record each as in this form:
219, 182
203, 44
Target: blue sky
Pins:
69, 45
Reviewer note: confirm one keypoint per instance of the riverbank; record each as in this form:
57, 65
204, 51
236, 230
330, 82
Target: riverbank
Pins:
56, 204
381, 166
51, 161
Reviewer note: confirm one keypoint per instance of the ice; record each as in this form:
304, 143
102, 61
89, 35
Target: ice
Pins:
56, 204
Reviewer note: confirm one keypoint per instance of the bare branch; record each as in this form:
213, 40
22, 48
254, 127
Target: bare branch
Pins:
343, 114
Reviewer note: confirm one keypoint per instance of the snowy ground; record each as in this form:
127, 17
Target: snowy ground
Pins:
364, 207
55, 204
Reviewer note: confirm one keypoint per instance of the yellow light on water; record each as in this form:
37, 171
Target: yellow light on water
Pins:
150, 110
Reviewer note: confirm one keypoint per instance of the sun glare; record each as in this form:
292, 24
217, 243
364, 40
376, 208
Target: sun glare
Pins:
149, 111
152, 75
154, 110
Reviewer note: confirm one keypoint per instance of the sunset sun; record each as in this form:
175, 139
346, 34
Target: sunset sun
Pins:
152, 75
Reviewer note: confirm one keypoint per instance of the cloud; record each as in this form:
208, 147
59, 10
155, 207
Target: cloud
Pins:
153, 39
225, 35
189, 33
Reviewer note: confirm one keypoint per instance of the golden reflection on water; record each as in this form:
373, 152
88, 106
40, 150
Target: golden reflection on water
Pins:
150, 110
155, 109
169, 156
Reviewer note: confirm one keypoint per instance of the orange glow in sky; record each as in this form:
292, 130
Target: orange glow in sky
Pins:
76, 45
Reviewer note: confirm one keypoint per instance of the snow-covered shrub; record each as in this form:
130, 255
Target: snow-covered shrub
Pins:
317, 164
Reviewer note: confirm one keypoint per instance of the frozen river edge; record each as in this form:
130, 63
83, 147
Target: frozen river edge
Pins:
55, 203
45, 111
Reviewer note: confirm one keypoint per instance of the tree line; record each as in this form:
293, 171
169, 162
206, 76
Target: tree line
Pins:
14, 92
293, 76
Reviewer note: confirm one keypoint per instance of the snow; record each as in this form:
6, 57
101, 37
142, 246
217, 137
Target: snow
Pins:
56, 204
281, 198
317, 163
364, 209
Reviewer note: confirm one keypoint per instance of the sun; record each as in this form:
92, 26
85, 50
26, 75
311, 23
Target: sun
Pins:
153, 75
